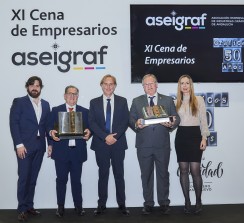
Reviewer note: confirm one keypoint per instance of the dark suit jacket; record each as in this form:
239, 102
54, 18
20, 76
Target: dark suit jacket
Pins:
153, 135
61, 150
119, 125
24, 126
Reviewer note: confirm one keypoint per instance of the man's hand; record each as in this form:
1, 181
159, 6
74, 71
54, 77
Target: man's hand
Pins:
110, 140
87, 134
139, 124
169, 124
49, 151
52, 133
21, 151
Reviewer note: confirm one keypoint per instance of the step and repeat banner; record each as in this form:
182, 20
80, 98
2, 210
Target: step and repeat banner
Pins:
78, 42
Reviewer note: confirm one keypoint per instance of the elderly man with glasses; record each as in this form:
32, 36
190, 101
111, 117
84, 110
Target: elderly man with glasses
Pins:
153, 144
69, 154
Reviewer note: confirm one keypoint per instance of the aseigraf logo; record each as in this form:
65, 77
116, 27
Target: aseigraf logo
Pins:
178, 22
64, 60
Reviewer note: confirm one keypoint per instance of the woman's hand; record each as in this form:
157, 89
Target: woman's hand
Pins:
203, 144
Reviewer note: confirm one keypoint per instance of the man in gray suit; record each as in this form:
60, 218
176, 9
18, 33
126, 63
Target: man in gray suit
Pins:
153, 144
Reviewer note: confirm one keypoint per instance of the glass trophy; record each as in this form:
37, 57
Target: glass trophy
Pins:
70, 125
154, 115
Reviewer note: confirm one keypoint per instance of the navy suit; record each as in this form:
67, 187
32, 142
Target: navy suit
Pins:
67, 159
109, 153
24, 130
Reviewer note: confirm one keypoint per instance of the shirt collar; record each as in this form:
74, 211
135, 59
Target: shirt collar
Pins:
155, 95
105, 97
68, 106
32, 99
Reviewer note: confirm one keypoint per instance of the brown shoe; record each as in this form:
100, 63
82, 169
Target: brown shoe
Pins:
33, 211
22, 216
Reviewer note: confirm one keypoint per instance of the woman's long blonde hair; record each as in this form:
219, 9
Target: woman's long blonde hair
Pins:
193, 100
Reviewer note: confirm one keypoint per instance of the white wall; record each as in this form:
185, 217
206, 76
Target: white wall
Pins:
228, 121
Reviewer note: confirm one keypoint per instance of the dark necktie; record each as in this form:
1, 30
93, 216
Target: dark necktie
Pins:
151, 103
108, 116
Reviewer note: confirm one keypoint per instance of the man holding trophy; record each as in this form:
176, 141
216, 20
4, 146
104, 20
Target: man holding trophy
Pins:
68, 126
152, 117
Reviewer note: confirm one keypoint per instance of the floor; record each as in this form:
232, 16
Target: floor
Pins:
233, 213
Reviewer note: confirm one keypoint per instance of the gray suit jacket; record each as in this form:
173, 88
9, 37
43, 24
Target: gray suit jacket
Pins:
154, 135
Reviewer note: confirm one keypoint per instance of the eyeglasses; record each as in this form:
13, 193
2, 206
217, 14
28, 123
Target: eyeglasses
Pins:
72, 94
148, 84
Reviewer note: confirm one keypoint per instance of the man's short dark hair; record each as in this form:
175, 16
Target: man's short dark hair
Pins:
32, 80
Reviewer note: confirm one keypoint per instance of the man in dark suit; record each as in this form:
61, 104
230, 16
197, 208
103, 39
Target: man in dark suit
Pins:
109, 119
28, 119
153, 144
69, 154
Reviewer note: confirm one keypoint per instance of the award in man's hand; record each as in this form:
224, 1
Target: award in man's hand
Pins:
154, 115
70, 125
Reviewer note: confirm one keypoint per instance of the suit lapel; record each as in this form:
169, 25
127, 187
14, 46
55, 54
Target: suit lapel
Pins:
145, 101
117, 112
160, 99
30, 109
44, 109
115, 106
100, 105
63, 108
100, 108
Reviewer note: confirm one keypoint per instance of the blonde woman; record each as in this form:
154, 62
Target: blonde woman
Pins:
191, 140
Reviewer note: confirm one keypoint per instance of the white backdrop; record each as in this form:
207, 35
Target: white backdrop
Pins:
228, 154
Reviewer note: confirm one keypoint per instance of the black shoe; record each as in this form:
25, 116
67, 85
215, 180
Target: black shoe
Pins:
165, 209
22, 216
146, 210
60, 211
33, 212
198, 208
187, 208
124, 210
80, 211
100, 210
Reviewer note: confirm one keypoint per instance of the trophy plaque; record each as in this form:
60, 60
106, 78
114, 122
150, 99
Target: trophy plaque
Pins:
154, 115
70, 125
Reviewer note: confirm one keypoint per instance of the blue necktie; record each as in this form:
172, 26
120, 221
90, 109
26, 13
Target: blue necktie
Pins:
108, 116
151, 103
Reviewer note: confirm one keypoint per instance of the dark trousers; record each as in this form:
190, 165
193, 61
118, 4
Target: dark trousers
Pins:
28, 170
105, 157
62, 171
148, 158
